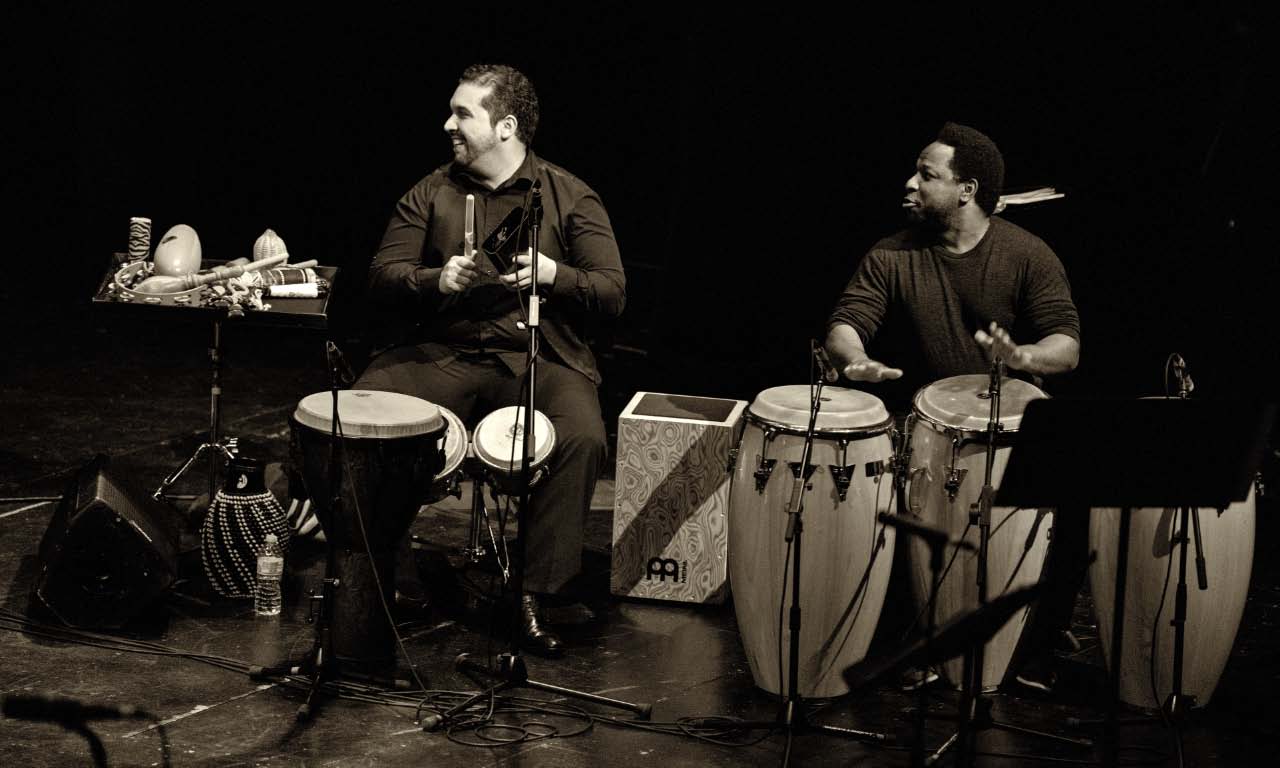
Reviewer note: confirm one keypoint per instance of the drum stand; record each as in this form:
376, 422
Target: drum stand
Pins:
792, 715
219, 450
510, 668
975, 709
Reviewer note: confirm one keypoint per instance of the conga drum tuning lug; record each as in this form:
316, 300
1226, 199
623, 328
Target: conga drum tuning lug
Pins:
763, 472
955, 478
795, 469
733, 460
843, 475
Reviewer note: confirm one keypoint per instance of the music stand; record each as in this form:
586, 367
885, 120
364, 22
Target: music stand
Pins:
1155, 453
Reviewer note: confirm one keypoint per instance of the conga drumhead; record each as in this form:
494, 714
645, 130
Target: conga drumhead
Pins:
842, 410
963, 402
499, 439
455, 443
370, 414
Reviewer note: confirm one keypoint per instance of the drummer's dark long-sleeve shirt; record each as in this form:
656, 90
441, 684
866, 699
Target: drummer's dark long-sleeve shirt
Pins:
916, 305
427, 228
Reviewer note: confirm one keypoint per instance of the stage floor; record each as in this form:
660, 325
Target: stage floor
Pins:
146, 405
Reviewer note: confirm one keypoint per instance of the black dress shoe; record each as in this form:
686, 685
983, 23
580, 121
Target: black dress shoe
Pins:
538, 639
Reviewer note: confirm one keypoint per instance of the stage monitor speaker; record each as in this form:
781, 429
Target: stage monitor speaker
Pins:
670, 515
108, 553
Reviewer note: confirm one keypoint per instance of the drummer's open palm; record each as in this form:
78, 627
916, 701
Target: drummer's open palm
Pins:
870, 371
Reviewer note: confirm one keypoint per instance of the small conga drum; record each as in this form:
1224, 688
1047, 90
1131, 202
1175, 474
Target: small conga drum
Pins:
946, 469
389, 451
1151, 578
846, 554
498, 441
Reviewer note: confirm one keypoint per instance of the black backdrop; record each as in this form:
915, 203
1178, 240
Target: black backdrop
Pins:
747, 161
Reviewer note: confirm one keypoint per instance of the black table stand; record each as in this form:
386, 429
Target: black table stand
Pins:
510, 669
218, 448
1206, 456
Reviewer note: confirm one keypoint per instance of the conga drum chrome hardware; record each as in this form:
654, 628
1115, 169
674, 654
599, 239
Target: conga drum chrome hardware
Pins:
848, 557
389, 451
945, 471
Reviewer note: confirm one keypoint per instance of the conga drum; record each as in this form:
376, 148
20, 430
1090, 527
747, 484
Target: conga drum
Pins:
389, 450
846, 555
1151, 578
946, 468
498, 441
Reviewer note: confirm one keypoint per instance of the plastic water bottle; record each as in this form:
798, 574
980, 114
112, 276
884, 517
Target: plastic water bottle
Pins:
266, 594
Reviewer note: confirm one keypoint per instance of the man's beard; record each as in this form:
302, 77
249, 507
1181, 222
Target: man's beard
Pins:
472, 150
929, 220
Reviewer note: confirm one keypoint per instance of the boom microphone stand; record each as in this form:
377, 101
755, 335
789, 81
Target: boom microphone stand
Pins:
511, 666
792, 715
975, 708
1178, 704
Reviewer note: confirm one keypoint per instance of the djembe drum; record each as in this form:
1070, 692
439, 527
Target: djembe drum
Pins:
389, 450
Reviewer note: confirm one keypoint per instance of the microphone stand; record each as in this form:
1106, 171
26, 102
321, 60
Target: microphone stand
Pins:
1178, 704
975, 708
511, 668
319, 661
792, 715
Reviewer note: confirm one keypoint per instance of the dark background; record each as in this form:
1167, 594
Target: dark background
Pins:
747, 161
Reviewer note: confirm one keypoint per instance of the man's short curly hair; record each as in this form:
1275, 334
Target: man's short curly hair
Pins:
978, 158
512, 94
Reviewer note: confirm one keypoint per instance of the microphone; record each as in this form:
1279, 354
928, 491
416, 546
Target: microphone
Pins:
1185, 384
58, 709
829, 372
338, 364
935, 537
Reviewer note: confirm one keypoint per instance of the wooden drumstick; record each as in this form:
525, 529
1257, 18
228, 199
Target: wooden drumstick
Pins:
179, 283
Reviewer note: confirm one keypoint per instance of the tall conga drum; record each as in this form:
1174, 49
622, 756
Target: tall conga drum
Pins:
847, 555
1151, 578
946, 469
389, 450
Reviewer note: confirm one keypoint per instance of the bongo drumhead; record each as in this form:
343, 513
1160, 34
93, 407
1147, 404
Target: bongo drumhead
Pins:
842, 409
499, 439
370, 414
962, 402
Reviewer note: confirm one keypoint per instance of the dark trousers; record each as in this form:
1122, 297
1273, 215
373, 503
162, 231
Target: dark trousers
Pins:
473, 386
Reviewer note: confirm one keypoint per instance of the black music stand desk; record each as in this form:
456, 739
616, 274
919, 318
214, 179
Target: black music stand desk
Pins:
1133, 453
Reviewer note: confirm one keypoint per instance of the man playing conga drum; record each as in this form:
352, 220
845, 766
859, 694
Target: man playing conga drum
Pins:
464, 343
957, 287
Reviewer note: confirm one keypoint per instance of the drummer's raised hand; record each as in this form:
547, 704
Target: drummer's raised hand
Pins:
457, 275
522, 277
869, 370
998, 343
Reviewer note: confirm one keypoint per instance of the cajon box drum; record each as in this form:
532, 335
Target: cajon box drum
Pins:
670, 535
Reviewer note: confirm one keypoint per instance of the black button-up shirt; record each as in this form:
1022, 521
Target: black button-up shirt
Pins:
428, 227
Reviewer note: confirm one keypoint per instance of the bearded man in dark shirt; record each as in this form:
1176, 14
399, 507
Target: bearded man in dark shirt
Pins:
463, 343
958, 287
